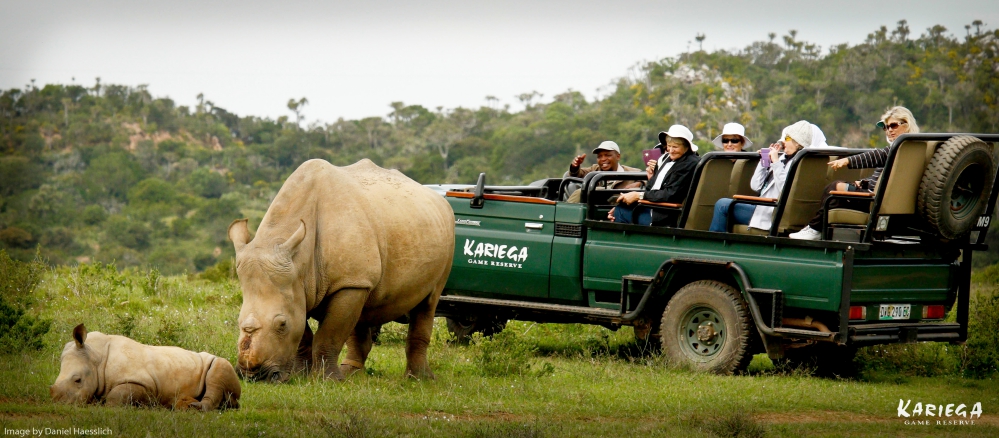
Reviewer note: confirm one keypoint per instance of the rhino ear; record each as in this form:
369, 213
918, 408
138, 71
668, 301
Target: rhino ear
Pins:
290, 246
80, 335
239, 234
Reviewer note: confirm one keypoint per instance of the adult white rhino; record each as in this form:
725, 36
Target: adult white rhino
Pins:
352, 247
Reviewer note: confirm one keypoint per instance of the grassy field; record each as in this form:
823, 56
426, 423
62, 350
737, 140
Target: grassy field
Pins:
532, 380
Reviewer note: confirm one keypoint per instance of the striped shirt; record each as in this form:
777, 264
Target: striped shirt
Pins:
875, 158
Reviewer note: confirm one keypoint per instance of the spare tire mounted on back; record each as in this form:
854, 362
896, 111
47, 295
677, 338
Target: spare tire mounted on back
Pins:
956, 186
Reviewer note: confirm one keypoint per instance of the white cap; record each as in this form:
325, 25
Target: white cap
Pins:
607, 146
678, 131
733, 129
818, 138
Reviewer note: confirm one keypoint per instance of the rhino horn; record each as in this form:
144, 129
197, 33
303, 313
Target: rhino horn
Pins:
290, 246
80, 335
239, 234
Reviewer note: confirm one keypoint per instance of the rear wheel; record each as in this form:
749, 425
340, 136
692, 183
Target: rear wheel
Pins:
956, 185
464, 327
706, 326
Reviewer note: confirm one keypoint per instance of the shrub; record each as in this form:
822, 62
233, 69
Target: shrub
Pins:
503, 354
93, 214
19, 330
220, 273
15, 237
979, 357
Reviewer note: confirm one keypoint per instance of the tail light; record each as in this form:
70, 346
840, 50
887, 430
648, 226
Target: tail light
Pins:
933, 312
860, 312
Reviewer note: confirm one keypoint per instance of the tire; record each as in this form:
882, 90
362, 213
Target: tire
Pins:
956, 186
463, 328
706, 326
823, 360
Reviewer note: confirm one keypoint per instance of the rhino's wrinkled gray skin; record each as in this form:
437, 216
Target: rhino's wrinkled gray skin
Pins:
115, 370
352, 247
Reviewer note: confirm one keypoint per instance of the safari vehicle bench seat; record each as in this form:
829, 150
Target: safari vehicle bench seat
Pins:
900, 193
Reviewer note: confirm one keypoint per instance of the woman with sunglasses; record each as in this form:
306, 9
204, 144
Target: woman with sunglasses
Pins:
768, 181
896, 121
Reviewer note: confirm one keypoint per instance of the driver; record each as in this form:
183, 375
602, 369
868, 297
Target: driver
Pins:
608, 160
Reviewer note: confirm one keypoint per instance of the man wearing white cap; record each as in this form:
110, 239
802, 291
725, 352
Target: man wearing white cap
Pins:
669, 180
608, 160
733, 138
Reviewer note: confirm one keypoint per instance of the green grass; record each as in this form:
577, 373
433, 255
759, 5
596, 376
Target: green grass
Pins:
535, 380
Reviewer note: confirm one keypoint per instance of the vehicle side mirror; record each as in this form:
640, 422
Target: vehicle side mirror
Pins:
480, 188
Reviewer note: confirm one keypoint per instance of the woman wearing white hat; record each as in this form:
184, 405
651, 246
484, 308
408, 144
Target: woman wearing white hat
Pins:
733, 138
768, 180
669, 179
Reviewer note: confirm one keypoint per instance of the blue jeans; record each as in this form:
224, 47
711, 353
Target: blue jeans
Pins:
742, 214
632, 214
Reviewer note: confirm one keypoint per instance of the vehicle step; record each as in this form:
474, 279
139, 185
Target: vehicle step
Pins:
808, 333
528, 305
638, 278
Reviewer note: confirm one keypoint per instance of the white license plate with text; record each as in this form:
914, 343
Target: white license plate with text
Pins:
894, 311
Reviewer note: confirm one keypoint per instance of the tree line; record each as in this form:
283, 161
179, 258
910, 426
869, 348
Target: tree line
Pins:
111, 173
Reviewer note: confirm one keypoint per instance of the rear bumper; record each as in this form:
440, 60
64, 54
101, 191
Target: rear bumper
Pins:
871, 334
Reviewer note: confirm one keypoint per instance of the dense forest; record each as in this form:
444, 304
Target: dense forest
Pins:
111, 173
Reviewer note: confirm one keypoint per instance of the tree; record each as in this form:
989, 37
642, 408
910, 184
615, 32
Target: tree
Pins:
296, 107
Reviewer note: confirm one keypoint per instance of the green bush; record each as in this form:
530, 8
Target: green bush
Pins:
503, 354
19, 330
93, 214
979, 357
15, 237
220, 273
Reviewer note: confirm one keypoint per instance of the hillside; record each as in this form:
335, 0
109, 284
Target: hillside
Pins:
112, 173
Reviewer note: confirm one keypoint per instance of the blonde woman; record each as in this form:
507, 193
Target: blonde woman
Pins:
895, 122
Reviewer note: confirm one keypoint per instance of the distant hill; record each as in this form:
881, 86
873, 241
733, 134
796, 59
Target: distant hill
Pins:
110, 173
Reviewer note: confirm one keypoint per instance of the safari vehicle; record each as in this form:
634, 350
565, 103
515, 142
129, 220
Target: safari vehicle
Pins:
713, 300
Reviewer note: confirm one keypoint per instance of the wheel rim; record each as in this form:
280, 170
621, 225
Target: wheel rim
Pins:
702, 333
964, 196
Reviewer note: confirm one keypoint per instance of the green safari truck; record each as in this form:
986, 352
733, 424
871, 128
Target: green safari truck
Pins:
888, 271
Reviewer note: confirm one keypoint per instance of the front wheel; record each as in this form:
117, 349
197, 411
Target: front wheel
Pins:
706, 326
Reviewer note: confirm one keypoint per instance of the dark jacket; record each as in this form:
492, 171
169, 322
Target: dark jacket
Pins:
677, 182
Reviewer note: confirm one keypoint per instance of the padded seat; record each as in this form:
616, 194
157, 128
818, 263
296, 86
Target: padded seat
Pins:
902, 187
848, 216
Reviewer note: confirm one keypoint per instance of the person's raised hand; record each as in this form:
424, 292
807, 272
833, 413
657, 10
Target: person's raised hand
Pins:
839, 164
578, 161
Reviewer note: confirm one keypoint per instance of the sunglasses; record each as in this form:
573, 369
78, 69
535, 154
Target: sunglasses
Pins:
893, 125
788, 138
731, 140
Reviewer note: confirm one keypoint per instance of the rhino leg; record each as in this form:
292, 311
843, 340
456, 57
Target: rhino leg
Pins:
303, 360
358, 347
222, 388
342, 313
421, 328
129, 394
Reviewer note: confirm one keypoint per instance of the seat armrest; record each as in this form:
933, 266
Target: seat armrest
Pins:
660, 204
755, 200
854, 194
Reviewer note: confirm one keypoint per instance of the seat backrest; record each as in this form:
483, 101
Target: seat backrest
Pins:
805, 194
712, 185
906, 173
742, 174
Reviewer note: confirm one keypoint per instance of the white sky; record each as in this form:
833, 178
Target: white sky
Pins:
352, 58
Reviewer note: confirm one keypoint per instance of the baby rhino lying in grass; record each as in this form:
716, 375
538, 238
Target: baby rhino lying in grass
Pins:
116, 370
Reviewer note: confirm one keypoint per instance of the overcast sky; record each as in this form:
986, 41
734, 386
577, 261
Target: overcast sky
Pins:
352, 59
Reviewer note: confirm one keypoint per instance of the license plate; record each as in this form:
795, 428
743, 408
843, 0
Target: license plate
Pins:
894, 311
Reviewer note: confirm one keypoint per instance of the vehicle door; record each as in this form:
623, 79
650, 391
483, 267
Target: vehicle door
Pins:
502, 249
